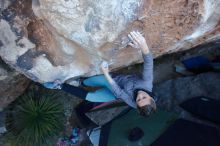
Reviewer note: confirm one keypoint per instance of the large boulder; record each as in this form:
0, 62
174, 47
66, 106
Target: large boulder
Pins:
65, 39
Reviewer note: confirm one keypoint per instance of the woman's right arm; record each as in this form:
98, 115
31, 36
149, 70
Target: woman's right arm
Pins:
138, 41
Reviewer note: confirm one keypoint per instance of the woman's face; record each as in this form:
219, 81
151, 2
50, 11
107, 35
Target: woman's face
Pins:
143, 99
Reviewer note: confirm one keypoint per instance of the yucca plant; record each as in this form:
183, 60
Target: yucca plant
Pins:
35, 120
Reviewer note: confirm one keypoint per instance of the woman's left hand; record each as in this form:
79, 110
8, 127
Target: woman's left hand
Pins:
104, 67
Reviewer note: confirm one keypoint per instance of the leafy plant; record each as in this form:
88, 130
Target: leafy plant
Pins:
35, 120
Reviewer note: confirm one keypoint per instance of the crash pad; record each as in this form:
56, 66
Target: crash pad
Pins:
152, 126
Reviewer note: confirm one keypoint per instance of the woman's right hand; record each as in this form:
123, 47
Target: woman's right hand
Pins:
138, 41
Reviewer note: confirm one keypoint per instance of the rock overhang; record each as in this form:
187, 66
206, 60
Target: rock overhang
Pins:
48, 40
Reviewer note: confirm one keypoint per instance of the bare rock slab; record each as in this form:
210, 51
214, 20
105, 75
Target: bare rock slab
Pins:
12, 85
173, 92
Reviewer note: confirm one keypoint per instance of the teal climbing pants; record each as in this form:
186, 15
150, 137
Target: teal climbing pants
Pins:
101, 95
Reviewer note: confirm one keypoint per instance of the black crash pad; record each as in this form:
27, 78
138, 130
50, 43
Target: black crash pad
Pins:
187, 133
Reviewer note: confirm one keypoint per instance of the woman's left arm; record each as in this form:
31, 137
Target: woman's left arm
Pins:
115, 88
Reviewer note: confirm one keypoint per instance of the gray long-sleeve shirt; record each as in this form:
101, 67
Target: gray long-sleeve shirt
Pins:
124, 86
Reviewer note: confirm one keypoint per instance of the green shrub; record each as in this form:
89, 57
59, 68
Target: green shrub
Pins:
35, 120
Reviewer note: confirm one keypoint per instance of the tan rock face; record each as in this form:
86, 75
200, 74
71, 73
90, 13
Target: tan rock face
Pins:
64, 39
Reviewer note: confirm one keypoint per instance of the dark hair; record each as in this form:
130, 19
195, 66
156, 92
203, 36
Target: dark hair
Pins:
151, 94
147, 109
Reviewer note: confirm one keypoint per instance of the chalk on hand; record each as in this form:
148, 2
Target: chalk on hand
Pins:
105, 64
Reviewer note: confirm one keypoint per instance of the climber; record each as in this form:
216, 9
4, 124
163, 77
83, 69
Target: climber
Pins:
134, 90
